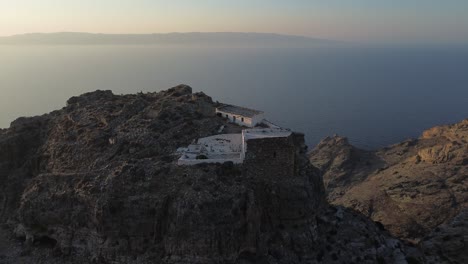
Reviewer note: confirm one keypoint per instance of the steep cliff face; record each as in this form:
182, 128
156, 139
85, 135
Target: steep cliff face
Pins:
20, 159
97, 182
342, 165
411, 187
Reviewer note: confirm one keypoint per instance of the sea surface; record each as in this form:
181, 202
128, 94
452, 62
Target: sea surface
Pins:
374, 96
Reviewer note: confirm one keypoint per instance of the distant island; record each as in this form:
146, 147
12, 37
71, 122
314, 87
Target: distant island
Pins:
195, 38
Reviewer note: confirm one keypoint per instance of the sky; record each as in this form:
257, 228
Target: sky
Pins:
349, 20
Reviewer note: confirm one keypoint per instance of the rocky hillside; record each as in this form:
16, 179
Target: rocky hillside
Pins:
449, 241
411, 187
97, 182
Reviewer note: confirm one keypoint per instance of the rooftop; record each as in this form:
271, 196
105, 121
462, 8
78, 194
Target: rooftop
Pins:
257, 133
238, 110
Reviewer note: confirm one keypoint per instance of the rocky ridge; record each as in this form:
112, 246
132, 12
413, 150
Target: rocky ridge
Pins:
97, 182
411, 188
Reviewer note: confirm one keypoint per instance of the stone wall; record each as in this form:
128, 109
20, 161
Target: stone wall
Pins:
191, 162
271, 157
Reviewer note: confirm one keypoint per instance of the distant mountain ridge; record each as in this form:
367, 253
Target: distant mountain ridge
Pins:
215, 38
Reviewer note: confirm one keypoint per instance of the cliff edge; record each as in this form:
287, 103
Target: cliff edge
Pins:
98, 182
412, 187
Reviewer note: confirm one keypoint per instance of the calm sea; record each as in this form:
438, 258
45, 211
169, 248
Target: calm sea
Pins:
374, 96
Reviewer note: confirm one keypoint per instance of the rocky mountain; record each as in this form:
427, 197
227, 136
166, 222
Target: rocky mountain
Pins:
98, 182
412, 188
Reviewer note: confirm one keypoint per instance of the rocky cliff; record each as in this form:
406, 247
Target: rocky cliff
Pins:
97, 182
448, 242
411, 188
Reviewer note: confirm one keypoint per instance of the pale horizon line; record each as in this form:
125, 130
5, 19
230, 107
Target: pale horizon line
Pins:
305, 37
171, 32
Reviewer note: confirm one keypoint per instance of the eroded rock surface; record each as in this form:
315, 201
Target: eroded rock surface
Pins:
448, 243
411, 187
97, 182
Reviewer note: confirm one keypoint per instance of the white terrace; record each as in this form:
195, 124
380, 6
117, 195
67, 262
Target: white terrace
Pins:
226, 147
231, 147
218, 148
257, 133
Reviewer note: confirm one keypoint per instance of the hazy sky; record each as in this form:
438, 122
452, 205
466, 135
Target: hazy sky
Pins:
374, 20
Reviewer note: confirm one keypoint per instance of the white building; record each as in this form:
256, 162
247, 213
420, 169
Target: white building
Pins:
227, 147
241, 115
231, 147
214, 149
259, 133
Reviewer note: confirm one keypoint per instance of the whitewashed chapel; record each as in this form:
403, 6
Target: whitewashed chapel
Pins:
231, 147
241, 115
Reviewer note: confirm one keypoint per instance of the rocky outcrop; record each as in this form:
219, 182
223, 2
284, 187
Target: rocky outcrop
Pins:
20, 159
411, 187
448, 243
97, 182
342, 165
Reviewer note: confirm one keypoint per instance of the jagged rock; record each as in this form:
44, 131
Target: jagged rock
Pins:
97, 182
342, 164
448, 243
411, 187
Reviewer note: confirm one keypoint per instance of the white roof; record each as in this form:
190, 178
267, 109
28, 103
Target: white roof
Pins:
257, 133
238, 110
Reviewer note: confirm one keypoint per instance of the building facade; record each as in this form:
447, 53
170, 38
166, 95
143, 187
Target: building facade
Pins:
234, 147
241, 115
267, 145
